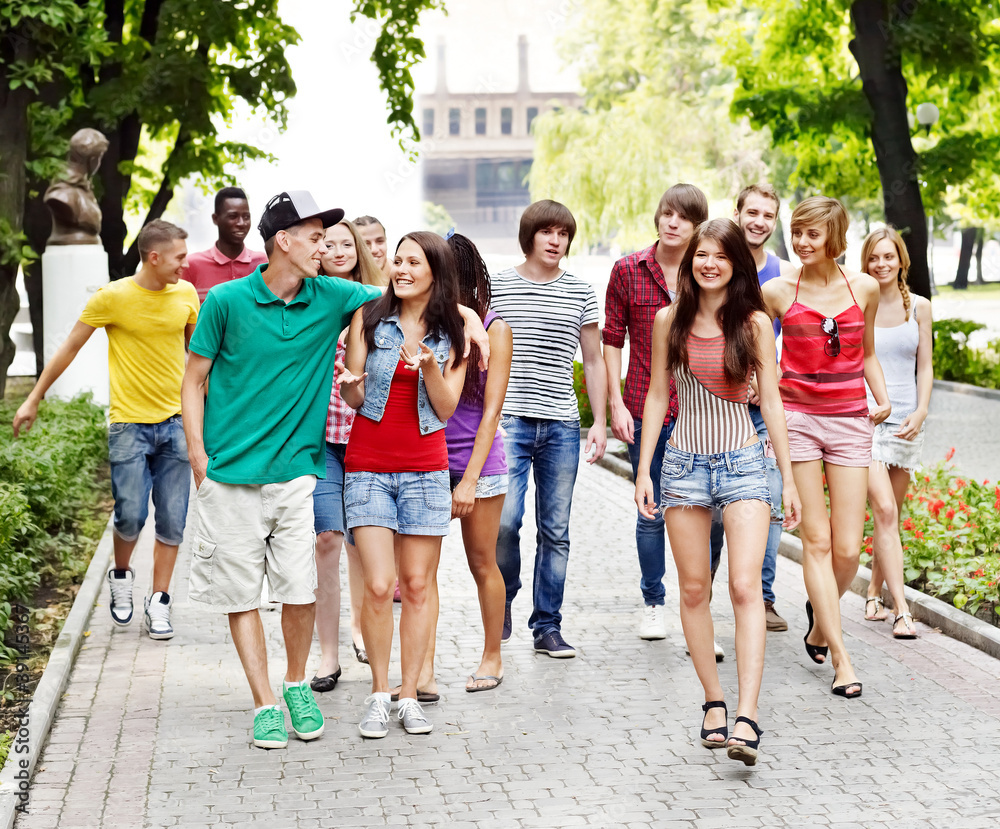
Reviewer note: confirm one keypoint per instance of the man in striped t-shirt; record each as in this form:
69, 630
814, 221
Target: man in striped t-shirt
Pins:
550, 313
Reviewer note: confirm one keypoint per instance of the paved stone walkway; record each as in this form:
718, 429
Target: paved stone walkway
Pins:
158, 734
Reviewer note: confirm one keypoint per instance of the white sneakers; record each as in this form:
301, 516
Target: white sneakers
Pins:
158, 616
120, 582
652, 622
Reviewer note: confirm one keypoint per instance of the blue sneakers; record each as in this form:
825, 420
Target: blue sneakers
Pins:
554, 645
508, 624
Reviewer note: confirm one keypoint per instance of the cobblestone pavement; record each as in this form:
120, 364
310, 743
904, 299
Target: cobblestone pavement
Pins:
158, 734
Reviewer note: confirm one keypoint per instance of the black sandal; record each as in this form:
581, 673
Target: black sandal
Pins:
747, 749
706, 732
814, 651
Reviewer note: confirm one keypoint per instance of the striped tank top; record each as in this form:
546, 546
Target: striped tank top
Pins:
713, 416
815, 378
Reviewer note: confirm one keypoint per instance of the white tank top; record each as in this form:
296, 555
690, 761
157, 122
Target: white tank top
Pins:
896, 349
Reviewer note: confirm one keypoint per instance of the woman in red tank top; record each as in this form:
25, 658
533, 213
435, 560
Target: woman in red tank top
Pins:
828, 352
712, 338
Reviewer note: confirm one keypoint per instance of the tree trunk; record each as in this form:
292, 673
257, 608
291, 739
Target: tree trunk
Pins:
965, 258
16, 45
885, 89
779, 240
980, 241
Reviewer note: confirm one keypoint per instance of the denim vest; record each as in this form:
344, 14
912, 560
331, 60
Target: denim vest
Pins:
381, 365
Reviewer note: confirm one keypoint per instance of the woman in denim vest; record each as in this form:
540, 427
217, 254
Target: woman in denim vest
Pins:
404, 375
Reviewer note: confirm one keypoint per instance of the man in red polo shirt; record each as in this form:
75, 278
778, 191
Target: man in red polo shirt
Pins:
228, 258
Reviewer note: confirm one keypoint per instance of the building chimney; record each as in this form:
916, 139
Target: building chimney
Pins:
441, 88
522, 65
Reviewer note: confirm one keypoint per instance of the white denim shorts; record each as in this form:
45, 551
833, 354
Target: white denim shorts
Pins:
893, 451
246, 532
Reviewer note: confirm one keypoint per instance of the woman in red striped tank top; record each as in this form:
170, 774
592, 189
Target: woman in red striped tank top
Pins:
828, 352
712, 338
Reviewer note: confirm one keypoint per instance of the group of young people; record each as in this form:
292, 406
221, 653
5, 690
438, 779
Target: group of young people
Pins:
334, 394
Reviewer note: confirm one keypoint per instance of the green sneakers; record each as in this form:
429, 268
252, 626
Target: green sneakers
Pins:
269, 728
307, 719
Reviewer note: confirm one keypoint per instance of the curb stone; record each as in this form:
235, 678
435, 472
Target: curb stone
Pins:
44, 702
929, 610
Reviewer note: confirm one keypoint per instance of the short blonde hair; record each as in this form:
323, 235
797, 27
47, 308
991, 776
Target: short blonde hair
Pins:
829, 213
868, 246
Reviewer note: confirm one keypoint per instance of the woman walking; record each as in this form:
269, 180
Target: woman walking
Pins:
828, 353
903, 343
476, 459
404, 375
712, 338
346, 257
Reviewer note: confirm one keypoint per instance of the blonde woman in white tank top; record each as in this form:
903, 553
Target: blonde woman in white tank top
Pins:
903, 343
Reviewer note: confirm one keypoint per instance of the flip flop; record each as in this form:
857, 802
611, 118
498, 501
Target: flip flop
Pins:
423, 697
495, 679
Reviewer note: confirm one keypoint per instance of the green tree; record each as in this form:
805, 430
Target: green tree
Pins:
657, 112
834, 81
163, 72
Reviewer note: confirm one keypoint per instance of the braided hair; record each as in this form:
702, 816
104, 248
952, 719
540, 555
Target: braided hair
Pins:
890, 233
473, 292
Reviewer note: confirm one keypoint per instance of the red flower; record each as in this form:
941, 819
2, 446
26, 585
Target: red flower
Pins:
868, 549
945, 569
908, 524
918, 534
960, 483
946, 546
906, 546
909, 496
950, 514
951, 454
935, 508
967, 524
951, 492
979, 573
963, 507
868, 517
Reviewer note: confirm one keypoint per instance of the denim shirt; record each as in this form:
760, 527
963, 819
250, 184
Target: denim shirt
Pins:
381, 365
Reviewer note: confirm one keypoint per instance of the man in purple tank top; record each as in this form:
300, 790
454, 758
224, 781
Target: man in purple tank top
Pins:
757, 215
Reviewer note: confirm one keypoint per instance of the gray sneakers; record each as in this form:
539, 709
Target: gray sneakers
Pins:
375, 723
158, 616
412, 716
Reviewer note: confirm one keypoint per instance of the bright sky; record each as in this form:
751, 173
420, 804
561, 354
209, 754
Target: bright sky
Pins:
337, 144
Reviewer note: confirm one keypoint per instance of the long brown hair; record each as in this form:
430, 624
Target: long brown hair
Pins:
735, 316
366, 269
441, 315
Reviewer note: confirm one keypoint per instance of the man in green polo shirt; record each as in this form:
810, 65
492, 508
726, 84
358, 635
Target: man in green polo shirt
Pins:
268, 342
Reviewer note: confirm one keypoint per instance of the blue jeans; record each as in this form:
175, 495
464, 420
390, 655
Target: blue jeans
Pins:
150, 457
649, 532
553, 446
774, 484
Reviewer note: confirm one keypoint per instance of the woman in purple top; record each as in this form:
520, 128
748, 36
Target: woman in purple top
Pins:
476, 459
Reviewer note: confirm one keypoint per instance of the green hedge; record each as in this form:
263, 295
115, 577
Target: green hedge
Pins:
47, 488
954, 360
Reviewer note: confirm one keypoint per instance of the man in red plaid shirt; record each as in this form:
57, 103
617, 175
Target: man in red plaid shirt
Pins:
640, 285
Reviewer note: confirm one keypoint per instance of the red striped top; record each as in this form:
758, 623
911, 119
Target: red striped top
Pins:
811, 380
712, 412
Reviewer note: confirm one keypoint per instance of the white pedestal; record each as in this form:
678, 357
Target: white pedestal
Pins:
71, 274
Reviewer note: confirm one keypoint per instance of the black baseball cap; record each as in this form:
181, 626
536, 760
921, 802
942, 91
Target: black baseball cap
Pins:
291, 208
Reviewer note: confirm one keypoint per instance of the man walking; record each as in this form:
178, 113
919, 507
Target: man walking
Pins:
256, 445
228, 258
148, 318
640, 285
550, 313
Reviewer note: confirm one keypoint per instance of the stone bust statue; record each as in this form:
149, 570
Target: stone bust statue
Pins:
76, 218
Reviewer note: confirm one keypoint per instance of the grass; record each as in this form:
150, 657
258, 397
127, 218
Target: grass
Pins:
988, 290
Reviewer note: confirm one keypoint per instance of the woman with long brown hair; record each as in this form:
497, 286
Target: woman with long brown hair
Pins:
711, 339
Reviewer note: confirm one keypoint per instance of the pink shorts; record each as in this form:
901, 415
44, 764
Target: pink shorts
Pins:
844, 441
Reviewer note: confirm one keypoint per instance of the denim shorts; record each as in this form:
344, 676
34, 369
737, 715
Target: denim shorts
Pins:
488, 486
410, 503
328, 497
145, 458
692, 480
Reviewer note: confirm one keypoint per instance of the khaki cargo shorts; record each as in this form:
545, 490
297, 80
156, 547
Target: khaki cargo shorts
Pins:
246, 532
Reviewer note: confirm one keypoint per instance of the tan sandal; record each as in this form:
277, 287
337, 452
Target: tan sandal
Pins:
879, 607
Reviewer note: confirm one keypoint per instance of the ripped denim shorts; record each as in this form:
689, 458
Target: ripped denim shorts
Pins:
693, 480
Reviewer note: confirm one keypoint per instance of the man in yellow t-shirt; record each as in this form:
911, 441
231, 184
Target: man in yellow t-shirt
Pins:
149, 319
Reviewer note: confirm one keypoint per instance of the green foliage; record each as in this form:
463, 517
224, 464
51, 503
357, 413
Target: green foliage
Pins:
657, 112
582, 400
951, 540
437, 218
396, 50
47, 490
798, 78
955, 360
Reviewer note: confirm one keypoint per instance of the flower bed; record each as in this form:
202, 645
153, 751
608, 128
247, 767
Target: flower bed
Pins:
951, 540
